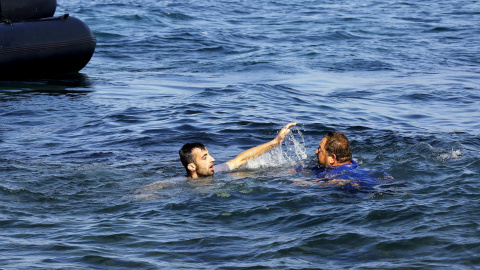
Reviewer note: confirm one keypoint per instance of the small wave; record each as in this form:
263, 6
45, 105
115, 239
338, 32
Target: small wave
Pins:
441, 29
362, 65
341, 35
178, 16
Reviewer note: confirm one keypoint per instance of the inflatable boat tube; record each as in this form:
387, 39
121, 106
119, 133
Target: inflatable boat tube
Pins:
22, 10
51, 45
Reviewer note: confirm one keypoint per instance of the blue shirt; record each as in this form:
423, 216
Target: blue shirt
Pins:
357, 178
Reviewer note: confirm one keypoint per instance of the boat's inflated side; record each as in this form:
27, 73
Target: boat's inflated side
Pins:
22, 10
51, 45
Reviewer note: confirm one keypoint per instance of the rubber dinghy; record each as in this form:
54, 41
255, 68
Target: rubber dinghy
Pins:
21, 10
30, 46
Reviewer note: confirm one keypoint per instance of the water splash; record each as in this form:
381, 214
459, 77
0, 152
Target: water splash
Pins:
427, 150
292, 151
453, 154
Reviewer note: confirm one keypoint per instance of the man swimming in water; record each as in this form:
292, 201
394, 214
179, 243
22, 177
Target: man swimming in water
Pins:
336, 166
199, 163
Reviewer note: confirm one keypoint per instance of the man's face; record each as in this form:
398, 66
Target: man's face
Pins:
321, 153
203, 161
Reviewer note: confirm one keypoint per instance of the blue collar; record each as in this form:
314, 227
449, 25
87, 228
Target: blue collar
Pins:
342, 168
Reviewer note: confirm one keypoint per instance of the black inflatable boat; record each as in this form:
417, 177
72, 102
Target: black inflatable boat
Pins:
21, 10
32, 44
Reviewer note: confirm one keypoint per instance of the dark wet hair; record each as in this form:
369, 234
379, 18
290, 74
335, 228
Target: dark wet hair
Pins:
337, 143
186, 156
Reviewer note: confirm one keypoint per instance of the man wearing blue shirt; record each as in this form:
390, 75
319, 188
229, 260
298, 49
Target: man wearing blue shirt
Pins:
336, 166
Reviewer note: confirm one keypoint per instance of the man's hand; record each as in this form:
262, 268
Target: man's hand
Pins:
254, 152
283, 132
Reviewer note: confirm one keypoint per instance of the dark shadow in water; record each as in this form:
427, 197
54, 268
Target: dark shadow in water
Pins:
54, 84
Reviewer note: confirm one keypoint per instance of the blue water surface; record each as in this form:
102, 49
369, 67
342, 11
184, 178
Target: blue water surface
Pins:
83, 156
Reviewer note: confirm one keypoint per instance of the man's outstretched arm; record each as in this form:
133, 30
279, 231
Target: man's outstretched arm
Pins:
256, 151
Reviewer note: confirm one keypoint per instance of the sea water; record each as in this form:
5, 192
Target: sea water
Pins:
400, 78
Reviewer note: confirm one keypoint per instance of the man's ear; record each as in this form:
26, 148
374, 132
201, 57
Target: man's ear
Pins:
332, 160
192, 167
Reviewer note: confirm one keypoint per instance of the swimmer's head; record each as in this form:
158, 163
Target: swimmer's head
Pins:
334, 149
196, 160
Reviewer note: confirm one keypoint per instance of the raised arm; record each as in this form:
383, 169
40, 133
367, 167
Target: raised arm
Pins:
256, 151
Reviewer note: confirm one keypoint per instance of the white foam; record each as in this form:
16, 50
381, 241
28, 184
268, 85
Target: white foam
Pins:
454, 154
